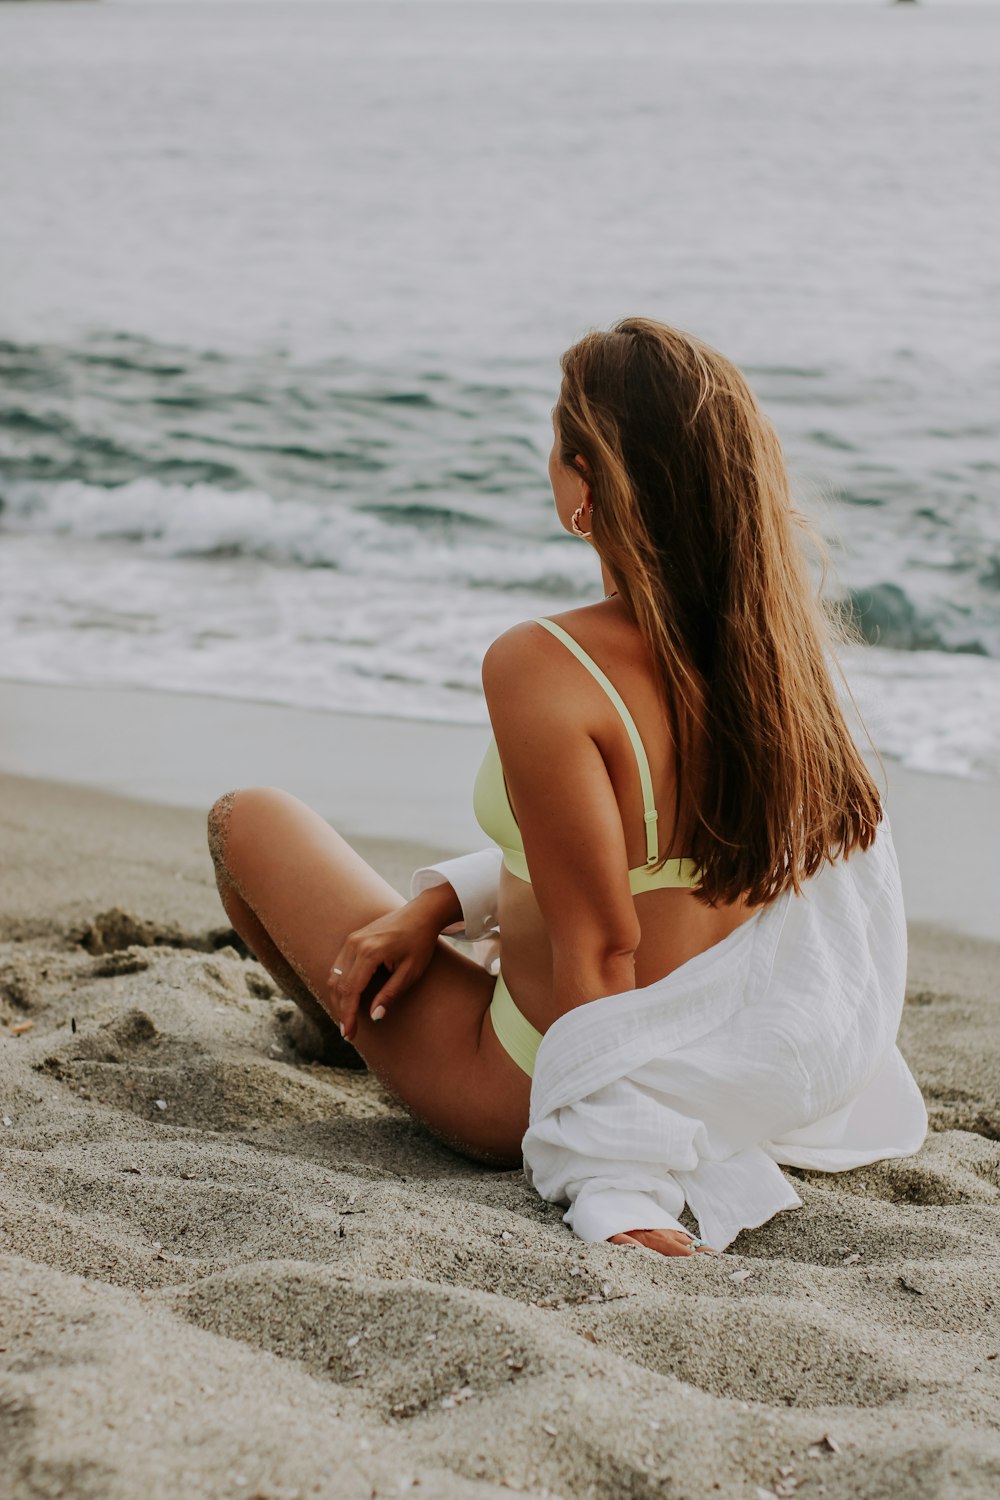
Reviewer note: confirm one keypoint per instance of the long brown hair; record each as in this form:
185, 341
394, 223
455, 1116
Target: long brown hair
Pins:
693, 517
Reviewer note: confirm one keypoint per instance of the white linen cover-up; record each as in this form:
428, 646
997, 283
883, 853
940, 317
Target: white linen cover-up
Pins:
776, 1047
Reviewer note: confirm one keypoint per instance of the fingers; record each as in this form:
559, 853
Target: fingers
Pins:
365, 980
348, 978
375, 965
397, 984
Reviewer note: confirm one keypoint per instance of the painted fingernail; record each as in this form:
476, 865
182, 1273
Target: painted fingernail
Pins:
378, 1012
335, 970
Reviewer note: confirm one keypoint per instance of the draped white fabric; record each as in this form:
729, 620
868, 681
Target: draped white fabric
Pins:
776, 1047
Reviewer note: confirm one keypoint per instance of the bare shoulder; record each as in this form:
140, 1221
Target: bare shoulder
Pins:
531, 642
528, 665
521, 652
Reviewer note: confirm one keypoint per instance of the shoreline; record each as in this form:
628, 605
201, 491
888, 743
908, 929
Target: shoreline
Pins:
410, 781
231, 1272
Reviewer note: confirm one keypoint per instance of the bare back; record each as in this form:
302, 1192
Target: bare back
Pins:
674, 925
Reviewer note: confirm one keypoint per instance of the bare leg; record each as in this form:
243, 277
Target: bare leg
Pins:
325, 1040
252, 930
294, 889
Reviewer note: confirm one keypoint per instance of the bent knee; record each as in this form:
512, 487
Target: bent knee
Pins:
219, 815
231, 812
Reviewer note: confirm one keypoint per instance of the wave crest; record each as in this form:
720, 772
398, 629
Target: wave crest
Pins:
420, 543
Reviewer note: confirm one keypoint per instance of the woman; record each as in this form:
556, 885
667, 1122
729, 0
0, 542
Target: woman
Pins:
667, 763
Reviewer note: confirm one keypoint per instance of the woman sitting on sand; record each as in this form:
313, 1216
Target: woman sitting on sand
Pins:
668, 764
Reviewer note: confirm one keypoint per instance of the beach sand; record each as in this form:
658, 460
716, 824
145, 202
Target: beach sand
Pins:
229, 1270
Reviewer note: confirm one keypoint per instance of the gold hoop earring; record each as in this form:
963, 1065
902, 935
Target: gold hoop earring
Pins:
575, 526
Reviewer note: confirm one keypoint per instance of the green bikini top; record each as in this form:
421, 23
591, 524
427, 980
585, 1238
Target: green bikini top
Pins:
495, 815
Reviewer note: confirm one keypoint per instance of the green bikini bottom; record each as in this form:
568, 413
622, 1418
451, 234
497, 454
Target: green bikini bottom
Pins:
515, 1034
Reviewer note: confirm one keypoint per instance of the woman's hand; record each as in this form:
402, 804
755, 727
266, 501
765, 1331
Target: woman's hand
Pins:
401, 942
664, 1241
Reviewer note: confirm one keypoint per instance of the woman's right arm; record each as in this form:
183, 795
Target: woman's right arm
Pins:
456, 897
475, 882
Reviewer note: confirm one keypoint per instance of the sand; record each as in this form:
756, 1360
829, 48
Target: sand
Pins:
410, 779
229, 1270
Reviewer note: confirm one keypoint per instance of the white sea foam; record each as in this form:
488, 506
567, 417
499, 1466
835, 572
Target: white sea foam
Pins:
288, 440
201, 520
113, 614
932, 710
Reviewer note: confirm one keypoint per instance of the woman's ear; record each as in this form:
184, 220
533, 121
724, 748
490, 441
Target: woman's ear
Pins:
583, 474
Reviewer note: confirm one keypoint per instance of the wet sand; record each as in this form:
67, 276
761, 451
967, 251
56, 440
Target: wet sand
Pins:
411, 780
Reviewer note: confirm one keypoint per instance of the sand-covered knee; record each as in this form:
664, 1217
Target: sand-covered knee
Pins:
219, 816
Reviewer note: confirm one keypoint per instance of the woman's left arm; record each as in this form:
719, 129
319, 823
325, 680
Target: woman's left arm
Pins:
567, 813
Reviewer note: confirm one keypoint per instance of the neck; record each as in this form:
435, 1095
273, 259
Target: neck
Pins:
608, 583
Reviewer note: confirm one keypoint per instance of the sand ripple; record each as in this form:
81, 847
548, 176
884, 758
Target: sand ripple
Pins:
231, 1271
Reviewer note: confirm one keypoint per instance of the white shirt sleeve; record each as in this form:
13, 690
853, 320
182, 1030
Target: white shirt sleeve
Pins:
475, 879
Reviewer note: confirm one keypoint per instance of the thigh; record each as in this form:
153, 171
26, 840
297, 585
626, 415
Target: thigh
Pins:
435, 1049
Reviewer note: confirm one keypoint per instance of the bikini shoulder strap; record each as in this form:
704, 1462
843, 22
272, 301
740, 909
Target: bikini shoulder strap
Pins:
646, 781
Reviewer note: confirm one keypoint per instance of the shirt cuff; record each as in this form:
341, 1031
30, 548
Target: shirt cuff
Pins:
599, 1213
475, 879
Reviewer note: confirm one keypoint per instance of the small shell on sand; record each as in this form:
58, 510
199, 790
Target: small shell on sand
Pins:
825, 1444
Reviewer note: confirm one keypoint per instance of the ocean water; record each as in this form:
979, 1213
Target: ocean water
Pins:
283, 289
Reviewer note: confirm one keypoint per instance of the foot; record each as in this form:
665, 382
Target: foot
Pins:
663, 1241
